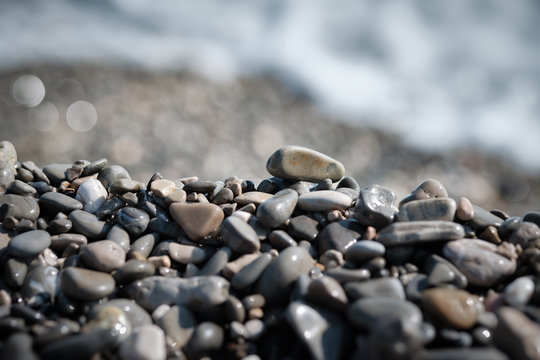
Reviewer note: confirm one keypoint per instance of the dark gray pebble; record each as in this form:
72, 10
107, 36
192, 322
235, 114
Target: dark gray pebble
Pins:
135, 221
251, 272
375, 206
54, 202
30, 243
303, 228
239, 236
89, 225
339, 236
19, 207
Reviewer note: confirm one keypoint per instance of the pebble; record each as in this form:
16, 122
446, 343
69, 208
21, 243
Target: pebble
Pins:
185, 254
384, 287
136, 315
135, 221
520, 291
109, 317
517, 335
483, 218
479, 261
19, 187
8, 159
452, 307
303, 228
29, 244
145, 343
179, 324
144, 244
251, 272
339, 235
239, 236
303, 164
133, 270
375, 206
487, 353
15, 272
18, 347
429, 189
207, 338
197, 220
61, 241
525, 233
464, 209
415, 232
233, 267
441, 271
253, 197
103, 255
367, 312
277, 281
110, 174
119, 236
81, 346
86, 285
92, 194
40, 280
199, 186
364, 250
275, 211
89, 225
234, 310
324, 200
327, 292
280, 240
429, 209
19, 207
124, 185
216, 263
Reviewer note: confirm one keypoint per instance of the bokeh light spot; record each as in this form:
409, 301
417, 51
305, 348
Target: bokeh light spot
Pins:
28, 90
81, 116
43, 117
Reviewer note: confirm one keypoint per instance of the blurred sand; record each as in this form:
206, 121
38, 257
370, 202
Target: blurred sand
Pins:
181, 124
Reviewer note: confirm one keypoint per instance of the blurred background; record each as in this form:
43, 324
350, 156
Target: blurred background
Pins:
398, 91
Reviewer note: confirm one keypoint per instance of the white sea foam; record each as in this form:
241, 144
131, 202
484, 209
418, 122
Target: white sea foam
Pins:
442, 74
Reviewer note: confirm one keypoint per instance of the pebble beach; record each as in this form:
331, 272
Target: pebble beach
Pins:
304, 262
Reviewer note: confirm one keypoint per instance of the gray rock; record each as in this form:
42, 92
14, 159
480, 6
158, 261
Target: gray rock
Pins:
375, 206
277, 281
89, 225
322, 338
429, 189
119, 236
276, 210
104, 255
364, 250
18, 347
251, 272
303, 164
185, 254
135, 221
8, 159
239, 236
301, 187
475, 353
110, 174
92, 194
136, 315
428, 209
415, 232
144, 244
15, 272
207, 338
56, 173
195, 291
517, 335
216, 263
94, 167
327, 292
30, 243
60, 242
145, 343
441, 271
303, 227
178, 324
343, 275
383, 287
19, 207
348, 182
483, 218
18, 187
525, 233
339, 235
81, 346
133, 270
201, 187
479, 261
86, 285
519, 291
324, 200
365, 313
280, 240
40, 280
109, 317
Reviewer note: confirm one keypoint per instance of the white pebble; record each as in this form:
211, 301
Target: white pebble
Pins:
519, 291
92, 194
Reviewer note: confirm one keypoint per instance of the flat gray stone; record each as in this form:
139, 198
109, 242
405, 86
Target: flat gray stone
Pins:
135, 221
40, 280
517, 335
133, 270
110, 174
207, 338
251, 272
86, 285
19, 207
339, 235
428, 189
104, 255
428, 209
89, 225
56, 173
276, 210
29, 244
324, 200
383, 287
415, 232
364, 250
178, 324
366, 313
145, 343
303, 164
327, 292
239, 236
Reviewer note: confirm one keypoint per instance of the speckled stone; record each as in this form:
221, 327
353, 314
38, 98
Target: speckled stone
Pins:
86, 285
104, 255
479, 261
30, 243
8, 159
452, 307
277, 209
428, 209
136, 315
197, 220
19, 207
300, 163
415, 232
324, 200
277, 281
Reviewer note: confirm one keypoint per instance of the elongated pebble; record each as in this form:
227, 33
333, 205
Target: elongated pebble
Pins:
250, 273
428, 209
324, 200
29, 244
414, 232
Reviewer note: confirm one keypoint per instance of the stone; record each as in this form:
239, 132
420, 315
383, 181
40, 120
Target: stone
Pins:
224, 196
375, 206
364, 250
343, 275
94, 167
275, 211
144, 244
428, 209
441, 271
89, 225
195, 291
124, 185
136, 315
322, 338
86, 285
491, 235
19, 207
483, 218
109, 317
29, 244
464, 209
366, 313
277, 281
348, 182
59, 226
197, 220
133, 270
104, 255
92, 194
120, 236
303, 227
163, 187
145, 343
417, 232
61, 241
533, 216
253, 197
475, 353
303, 164
233, 267
525, 233
239, 236
185, 254
479, 261
18, 187
452, 307
429, 189
390, 288
216, 263
324, 200
517, 335
254, 329
199, 186
339, 235
249, 274
178, 324
234, 310
40, 280
207, 338
18, 347
134, 220
110, 174
280, 240
327, 292
15, 272
520, 291
81, 346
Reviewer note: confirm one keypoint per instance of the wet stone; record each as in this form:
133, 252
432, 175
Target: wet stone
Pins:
18, 347
364, 250
19, 207
197, 220
135, 221
303, 164
201, 187
61, 241
88, 224
55, 173
348, 182
429, 189
491, 235
40, 280
277, 209
110, 174
185, 254
216, 263
525, 233
145, 343
253, 197
483, 218
178, 324
479, 261
464, 210
124, 185
383, 287
487, 353
441, 271
279, 239
324, 200
15, 272
343, 275
519, 291
327, 292
207, 338
533, 216
29, 244
18, 187
375, 206
86, 285
104, 255
92, 195
119, 236
109, 317
428, 209
224, 196
250, 273
303, 228
239, 236
415, 232
234, 310
59, 226
133, 270
452, 307
517, 335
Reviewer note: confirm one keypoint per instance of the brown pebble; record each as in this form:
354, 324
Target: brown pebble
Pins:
255, 313
191, 197
136, 255
335, 215
160, 261
5, 299
197, 220
370, 233
465, 210
453, 307
235, 186
249, 208
491, 234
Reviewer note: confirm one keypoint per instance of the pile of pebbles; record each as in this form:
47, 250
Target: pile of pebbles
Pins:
305, 264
